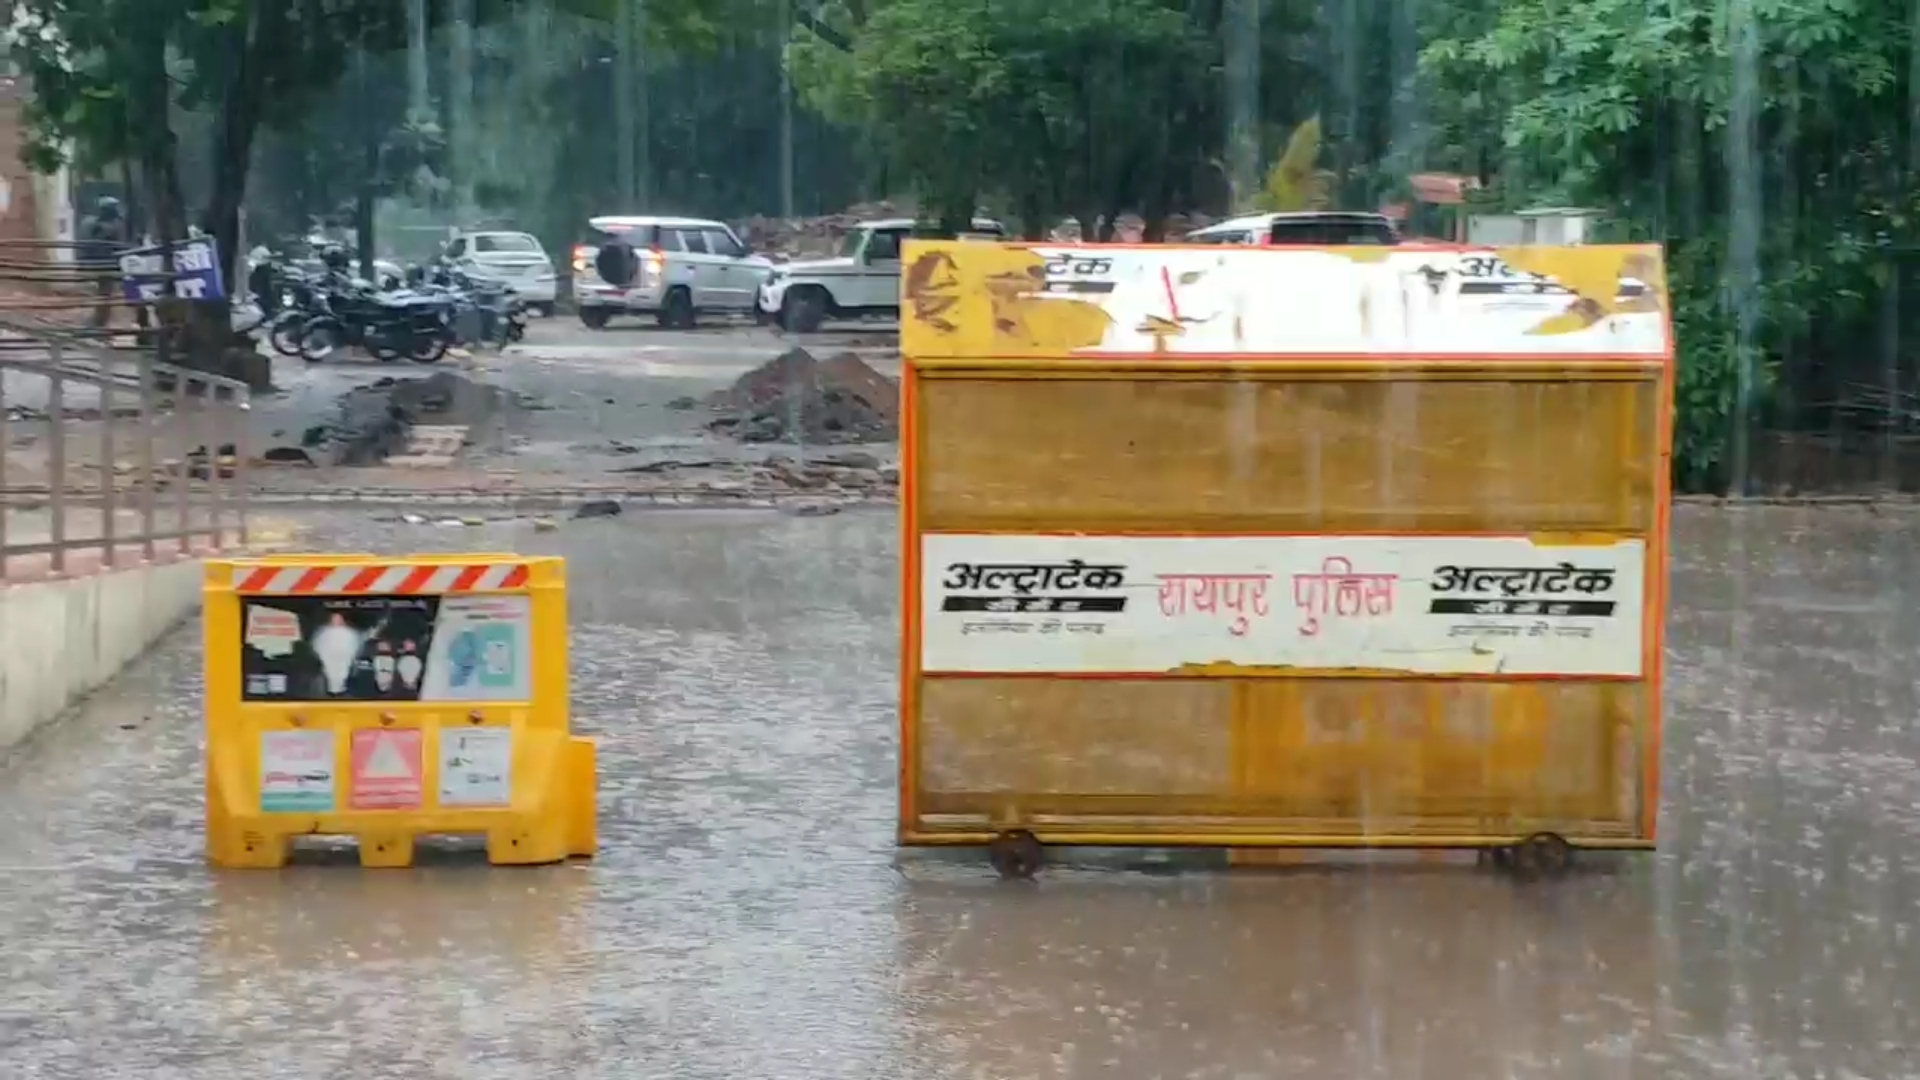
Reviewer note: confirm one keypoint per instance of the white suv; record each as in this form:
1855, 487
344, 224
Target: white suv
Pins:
514, 259
669, 267
863, 280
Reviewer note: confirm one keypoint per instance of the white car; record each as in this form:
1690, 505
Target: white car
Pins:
513, 259
675, 269
1320, 228
862, 281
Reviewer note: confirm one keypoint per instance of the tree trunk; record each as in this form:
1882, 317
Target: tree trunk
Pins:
462, 147
1156, 210
1240, 31
151, 141
258, 41
955, 213
1033, 215
1090, 223
1157, 175
210, 341
363, 238
134, 198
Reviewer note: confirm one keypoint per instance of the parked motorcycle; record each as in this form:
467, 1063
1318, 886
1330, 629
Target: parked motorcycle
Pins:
389, 325
316, 310
483, 313
300, 302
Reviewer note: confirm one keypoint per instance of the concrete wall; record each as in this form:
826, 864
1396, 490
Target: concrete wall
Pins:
61, 640
19, 210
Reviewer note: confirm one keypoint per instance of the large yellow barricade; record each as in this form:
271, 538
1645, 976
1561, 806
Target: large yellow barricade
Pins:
391, 698
1262, 547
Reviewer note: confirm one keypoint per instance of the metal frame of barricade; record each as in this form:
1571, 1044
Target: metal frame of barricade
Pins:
291, 740
1198, 750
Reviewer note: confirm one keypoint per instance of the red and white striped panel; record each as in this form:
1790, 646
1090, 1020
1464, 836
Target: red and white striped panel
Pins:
377, 579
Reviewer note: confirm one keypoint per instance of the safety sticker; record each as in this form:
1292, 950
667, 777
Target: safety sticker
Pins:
386, 769
476, 767
296, 771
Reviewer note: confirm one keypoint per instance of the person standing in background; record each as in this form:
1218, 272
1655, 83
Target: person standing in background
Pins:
263, 281
103, 237
1129, 228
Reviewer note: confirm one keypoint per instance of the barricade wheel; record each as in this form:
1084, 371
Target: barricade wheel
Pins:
1016, 855
1551, 853
1541, 855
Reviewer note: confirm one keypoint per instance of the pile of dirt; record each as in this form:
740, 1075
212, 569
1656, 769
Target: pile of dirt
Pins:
795, 398
373, 421
812, 237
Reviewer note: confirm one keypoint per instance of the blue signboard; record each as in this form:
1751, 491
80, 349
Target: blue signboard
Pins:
196, 272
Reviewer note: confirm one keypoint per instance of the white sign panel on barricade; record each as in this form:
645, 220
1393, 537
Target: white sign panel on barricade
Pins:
476, 767
1358, 299
1416, 604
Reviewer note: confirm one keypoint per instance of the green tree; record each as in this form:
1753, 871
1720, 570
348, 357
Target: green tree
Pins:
1044, 107
109, 73
1774, 166
107, 76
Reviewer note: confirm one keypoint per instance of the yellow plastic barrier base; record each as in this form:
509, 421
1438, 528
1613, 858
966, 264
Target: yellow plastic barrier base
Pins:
553, 816
389, 698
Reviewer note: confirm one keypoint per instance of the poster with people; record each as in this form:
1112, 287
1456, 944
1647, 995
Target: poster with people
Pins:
385, 648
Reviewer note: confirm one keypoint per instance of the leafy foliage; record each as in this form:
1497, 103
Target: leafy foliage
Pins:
79, 102
1768, 143
1036, 105
1782, 241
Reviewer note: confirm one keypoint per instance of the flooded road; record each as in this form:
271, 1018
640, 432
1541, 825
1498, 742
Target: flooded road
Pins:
748, 916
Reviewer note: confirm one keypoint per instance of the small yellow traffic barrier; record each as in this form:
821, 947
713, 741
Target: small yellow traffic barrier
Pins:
391, 698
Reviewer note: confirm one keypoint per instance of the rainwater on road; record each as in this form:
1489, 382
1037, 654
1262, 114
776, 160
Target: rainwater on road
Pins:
594, 400
749, 916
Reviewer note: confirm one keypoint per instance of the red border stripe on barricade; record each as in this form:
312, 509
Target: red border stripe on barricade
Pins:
378, 579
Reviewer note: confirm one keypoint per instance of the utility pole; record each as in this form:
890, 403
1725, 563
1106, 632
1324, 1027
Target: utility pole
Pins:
365, 196
417, 104
460, 141
1240, 29
643, 108
1744, 205
786, 112
624, 106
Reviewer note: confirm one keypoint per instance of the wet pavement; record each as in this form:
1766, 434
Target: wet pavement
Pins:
590, 406
749, 917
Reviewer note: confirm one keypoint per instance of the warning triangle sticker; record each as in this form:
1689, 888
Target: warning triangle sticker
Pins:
386, 762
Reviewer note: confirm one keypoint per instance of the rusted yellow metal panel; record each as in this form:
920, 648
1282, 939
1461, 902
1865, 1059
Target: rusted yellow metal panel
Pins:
1279, 547
1272, 454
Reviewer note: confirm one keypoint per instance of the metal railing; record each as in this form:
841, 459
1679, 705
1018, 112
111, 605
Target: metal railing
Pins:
108, 456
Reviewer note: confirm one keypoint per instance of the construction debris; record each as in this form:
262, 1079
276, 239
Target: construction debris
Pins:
420, 422
795, 398
811, 237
